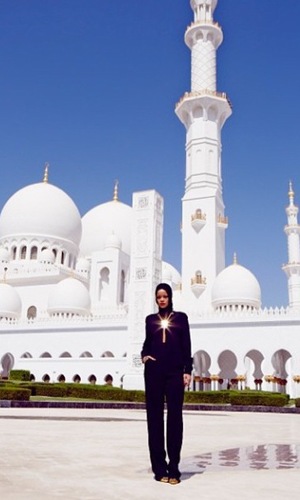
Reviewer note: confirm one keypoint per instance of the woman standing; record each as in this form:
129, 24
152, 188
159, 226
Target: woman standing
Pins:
166, 354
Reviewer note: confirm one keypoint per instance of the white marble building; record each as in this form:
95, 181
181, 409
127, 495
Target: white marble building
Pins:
74, 291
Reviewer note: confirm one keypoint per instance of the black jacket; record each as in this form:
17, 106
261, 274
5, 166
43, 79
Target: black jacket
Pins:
175, 352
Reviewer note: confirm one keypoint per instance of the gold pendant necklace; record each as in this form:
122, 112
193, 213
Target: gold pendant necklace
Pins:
164, 323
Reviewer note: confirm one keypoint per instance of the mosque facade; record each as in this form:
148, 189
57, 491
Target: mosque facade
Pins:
75, 290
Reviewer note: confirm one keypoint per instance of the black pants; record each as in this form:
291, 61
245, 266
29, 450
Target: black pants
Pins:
162, 385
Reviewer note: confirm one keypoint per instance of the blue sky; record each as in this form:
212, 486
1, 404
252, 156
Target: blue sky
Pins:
90, 87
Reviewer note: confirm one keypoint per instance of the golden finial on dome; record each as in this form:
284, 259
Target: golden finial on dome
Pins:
235, 258
45, 179
116, 191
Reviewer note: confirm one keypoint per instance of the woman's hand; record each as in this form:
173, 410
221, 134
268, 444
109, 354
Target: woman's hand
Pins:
145, 359
186, 379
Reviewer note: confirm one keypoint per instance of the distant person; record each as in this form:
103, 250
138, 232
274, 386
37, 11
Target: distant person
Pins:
166, 355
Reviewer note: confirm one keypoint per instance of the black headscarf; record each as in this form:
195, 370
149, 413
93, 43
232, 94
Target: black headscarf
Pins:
168, 290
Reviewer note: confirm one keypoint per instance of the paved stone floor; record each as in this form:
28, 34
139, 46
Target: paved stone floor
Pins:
75, 454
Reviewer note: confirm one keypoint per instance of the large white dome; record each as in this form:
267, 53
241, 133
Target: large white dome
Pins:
41, 210
10, 302
236, 286
69, 296
113, 217
83, 265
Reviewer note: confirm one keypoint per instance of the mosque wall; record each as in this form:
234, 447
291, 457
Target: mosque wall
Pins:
45, 350
249, 350
259, 353
34, 296
82, 370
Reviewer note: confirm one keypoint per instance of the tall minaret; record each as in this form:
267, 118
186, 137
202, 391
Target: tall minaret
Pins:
292, 268
203, 111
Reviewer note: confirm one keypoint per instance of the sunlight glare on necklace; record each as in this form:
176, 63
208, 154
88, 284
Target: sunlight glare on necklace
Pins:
164, 323
165, 326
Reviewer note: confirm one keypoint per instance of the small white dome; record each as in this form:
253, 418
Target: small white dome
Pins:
69, 296
10, 302
236, 286
41, 210
113, 241
99, 223
83, 265
4, 255
170, 275
47, 256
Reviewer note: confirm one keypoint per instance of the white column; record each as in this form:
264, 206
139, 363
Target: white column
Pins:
145, 272
267, 369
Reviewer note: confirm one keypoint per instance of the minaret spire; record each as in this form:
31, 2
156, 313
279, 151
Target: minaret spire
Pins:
46, 172
292, 268
116, 191
203, 9
291, 193
203, 111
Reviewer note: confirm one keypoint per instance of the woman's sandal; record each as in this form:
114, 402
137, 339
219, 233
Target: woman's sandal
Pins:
161, 479
164, 479
174, 480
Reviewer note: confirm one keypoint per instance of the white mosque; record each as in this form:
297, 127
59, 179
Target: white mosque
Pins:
75, 290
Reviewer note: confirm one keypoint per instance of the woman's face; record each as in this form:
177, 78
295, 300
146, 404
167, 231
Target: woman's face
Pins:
162, 299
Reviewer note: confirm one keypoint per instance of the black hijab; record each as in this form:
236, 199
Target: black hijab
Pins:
168, 290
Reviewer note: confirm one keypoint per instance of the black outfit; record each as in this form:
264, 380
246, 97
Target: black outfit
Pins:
171, 348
